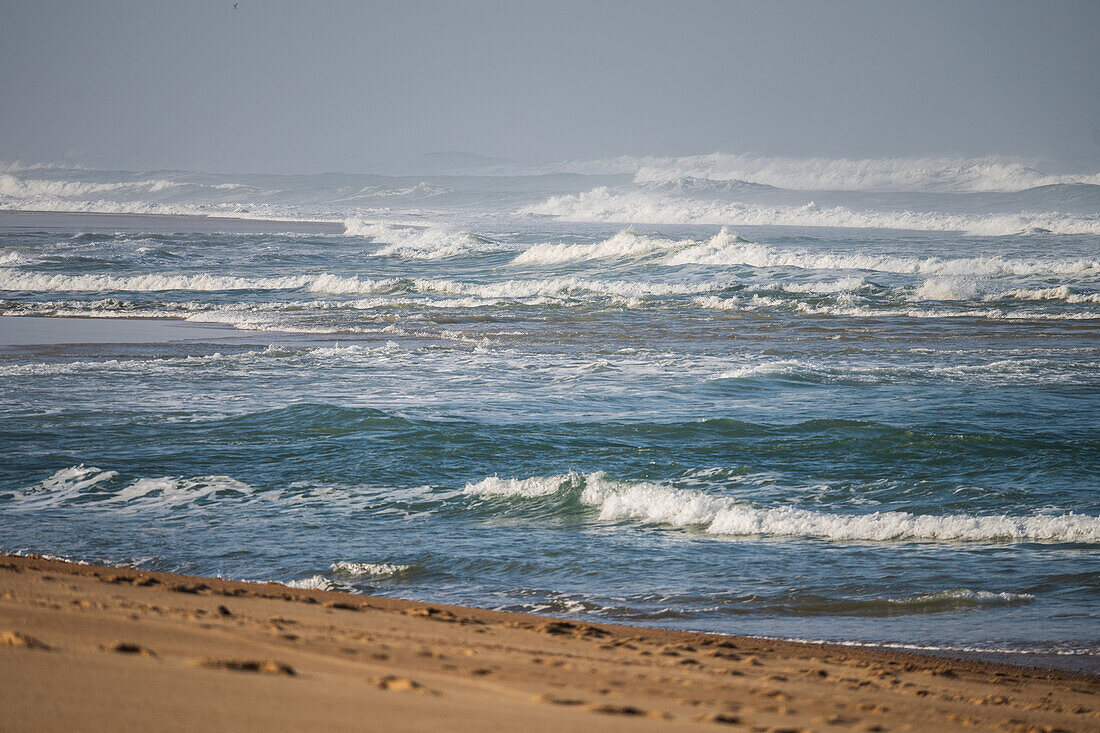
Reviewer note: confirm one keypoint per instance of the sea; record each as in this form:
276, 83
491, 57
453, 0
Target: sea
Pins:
850, 401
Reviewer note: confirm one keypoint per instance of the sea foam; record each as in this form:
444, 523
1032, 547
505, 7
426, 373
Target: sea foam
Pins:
62, 486
90, 486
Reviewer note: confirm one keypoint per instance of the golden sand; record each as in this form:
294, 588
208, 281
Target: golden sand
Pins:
92, 648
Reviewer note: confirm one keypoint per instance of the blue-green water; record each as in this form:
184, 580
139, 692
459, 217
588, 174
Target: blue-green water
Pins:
853, 433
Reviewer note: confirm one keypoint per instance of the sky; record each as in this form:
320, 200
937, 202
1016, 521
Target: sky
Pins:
293, 86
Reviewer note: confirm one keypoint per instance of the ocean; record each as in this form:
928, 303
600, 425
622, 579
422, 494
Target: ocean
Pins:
825, 400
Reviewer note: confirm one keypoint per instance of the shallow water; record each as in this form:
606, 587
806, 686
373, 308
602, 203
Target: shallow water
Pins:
479, 395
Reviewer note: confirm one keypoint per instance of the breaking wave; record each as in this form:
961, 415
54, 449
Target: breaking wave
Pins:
728, 249
646, 207
626, 244
337, 285
320, 582
418, 242
653, 503
371, 570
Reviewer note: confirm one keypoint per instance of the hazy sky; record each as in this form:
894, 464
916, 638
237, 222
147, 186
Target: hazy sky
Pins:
310, 86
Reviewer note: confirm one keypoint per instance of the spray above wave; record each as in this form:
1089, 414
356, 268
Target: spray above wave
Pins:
18, 188
648, 207
839, 174
322, 197
652, 503
157, 196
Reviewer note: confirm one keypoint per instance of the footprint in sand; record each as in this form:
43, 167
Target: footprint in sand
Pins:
553, 700
192, 588
125, 647
17, 638
436, 614
723, 718
342, 605
265, 666
608, 709
394, 683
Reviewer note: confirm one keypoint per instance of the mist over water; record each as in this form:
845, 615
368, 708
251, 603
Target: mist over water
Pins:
801, 397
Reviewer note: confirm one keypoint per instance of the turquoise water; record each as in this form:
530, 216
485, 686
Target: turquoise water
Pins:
847, 433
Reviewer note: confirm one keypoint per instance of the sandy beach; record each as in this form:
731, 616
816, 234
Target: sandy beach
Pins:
96, 648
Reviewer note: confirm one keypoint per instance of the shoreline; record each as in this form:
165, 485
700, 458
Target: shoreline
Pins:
82, 643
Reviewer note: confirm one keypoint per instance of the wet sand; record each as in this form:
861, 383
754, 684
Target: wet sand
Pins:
28, 331
68, 222
91, 648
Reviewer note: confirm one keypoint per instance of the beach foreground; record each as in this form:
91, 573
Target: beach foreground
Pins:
95, 648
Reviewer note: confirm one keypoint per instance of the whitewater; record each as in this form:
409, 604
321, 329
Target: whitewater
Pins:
826, 399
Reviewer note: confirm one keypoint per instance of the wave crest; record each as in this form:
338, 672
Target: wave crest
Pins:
653, 503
